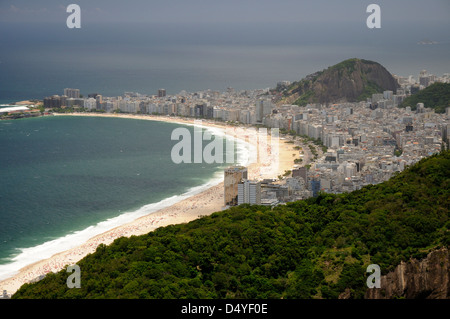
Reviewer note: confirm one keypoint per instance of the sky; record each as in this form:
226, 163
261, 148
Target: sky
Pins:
268, 22
327, 12
234, 41
232, 21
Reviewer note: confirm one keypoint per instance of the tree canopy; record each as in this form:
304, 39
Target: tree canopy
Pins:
315, 248
436, 96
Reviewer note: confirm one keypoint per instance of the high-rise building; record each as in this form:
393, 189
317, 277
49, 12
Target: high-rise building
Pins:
72, 93
161, 92
53, 101
232, 176
47, 102
259, 111
90, 104
249, 192
263, 108
201, 110
301, 172
63, 100
99, 101
388, 95
426, 79
315, 187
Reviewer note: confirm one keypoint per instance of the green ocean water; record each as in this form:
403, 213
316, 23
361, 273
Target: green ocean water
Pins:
60, 175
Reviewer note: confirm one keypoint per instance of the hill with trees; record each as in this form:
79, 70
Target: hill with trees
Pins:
316, 248
435, 96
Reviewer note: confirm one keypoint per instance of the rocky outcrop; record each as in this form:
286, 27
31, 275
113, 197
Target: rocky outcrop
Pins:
417, 279
349, 81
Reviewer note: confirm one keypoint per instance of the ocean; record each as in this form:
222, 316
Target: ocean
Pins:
66, 179
39, 60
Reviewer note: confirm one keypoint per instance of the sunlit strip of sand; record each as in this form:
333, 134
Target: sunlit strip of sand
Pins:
204, 203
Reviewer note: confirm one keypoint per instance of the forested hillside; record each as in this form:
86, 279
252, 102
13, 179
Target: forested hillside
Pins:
436, 96
317, 248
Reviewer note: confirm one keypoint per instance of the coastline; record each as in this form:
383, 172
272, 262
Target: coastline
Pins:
204, 203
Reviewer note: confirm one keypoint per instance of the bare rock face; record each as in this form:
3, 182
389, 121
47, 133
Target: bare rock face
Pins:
349, 81
417, 279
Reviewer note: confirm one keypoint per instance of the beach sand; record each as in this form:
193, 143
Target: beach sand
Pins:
204, 203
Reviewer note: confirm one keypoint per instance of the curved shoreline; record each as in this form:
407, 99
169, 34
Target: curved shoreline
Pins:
183, 211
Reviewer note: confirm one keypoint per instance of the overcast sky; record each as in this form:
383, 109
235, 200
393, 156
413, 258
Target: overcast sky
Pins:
226, 41
227, 11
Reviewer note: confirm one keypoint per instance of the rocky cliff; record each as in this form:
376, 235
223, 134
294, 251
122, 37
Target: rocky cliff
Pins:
351, 80
426, 278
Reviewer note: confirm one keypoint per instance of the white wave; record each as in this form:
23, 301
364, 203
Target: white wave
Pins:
28, 256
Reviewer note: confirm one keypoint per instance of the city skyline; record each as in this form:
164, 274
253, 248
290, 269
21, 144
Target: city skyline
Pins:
355, 143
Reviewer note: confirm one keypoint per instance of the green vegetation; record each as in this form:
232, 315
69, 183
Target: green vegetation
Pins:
74, 109
290, 132
369, 89
304, 99
313, 150
347, 66
436, 96
306, 139
316, 248
315, 141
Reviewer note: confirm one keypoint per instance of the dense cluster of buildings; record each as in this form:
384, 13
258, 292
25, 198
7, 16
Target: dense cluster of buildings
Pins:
366, 142
424, 80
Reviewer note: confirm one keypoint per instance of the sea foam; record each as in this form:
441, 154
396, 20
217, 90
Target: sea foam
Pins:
30, 255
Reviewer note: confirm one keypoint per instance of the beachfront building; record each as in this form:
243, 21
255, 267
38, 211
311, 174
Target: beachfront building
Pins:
72, 93
90, 104
232, 177
263, 108
249, 192
161, 92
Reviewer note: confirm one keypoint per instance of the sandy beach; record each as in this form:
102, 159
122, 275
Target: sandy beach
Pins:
204, 203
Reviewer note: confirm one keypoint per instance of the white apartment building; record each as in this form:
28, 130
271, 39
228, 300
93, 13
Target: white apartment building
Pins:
249, 192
